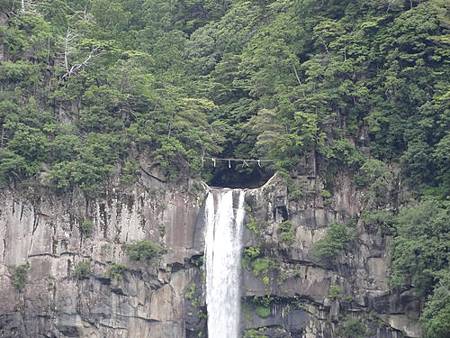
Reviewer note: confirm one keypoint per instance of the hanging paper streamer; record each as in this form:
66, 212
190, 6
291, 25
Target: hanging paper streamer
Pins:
245, 161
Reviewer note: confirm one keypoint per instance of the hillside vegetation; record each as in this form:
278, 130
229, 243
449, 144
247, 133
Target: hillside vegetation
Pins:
362, 87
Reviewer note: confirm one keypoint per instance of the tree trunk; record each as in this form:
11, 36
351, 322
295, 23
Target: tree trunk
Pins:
3, 23
2, 137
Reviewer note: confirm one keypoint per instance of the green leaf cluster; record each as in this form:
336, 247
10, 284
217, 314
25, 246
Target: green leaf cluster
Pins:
82, 270
144, 250
19, 276
335, 242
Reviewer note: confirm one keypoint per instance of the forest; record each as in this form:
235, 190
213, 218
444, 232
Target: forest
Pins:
88, 87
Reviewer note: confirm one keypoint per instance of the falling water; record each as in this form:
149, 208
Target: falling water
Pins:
224, 218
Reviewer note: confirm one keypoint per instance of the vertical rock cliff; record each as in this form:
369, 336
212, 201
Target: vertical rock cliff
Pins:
288, 292
79, 280
114, 296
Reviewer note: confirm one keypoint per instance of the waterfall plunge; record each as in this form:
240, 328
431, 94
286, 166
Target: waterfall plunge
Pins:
223, 261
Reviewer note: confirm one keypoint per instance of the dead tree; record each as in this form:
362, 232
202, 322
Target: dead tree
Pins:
78, 66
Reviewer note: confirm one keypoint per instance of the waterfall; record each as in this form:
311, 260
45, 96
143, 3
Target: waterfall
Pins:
223, 240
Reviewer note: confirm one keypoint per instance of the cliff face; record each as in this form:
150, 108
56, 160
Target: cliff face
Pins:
286, 292
304, 297
147, 300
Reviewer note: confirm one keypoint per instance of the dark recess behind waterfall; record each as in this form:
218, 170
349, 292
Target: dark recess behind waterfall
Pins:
239, 176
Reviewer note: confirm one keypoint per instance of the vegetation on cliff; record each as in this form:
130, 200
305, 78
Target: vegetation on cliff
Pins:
89, 86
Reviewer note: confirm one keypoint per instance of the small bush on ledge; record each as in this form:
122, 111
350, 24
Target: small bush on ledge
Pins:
82, 270
253, 333
286, 232
116, 271
352, 328
144, 250
86, 227
19, 276
262, 311
335, 242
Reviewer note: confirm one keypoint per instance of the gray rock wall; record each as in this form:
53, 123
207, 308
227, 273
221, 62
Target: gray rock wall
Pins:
295, 296
44, 231
310, 299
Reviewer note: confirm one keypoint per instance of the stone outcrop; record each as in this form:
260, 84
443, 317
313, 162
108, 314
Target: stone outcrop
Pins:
293, 295
146, 300
322, 298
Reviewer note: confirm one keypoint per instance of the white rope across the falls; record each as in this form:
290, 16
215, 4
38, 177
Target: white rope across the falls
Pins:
245, 161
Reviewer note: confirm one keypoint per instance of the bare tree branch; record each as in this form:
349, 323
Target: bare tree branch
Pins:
77, 67
67, 47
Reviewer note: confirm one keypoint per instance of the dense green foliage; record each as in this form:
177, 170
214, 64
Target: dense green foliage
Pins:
436, 317
82, 270
86, 227
19, 276
352, 328
262, 311
88, 88
262, 306
252, 333
89, 85
334, 243
286, 232
422, 246
421, 259
143, 250
116, 271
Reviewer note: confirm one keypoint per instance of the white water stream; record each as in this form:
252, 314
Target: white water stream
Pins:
224, 213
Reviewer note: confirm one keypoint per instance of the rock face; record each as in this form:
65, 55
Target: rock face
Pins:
286, 292
303, 297
146, 300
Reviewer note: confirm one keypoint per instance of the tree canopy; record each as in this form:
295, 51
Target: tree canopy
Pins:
87, 87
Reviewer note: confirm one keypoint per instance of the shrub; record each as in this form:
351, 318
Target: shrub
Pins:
19, 276
326, 194
261, 268
116, 271
192, 296
334, 243
253, 226
335, 292
82, 270
382, 218
144, 250
262, 305
263, 311
436, 315
252, 252
252, 333
13, 166
342, 153
286, 232
352, 328
421, 246
130, 172
86, 227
